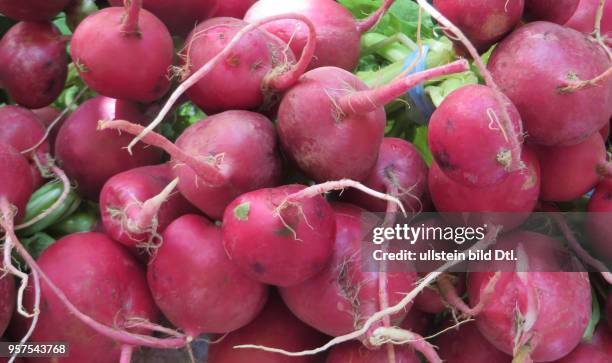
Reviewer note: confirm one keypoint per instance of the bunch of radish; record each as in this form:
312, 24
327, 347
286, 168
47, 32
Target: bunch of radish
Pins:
179, 172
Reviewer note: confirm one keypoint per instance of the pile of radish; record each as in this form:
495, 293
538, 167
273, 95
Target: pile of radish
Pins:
193, 180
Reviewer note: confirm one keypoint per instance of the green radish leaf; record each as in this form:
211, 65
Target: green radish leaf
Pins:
595, 317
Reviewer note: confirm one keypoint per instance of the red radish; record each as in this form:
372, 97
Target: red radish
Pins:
576, 14
553, 113
400, 168
605, 131
98, 276
32, 10
354, 352
537, 311
598, 350
34, 63
17, 185
338, 33
609, 318
196, 286
466, 137
138, 204
275, 241
7, 300
417, 321
275, 326
598, 226
91, 157
483, 22
21, 129
233, 8
180, 16
215, 166
430, 300
47, 115
523, 185
568, 172
331, 111
346, 294
258, 67
465, 344
130, 59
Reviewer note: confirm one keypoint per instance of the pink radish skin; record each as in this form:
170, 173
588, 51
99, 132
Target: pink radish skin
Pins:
354, 352
18, 183
521, 65
125, 193
275, 326
524, 186
47, 115
338, 33
466, 140
273, 252
465, 344
259, 66
576, 14
7, 300
561, 305
114, 291
32, 10
568, 172
400, 166
180, 16
130, 59
214, 296
91, 157
21, 129
233, 8
598, 350
417, 322
483, 22
605, 131
430, 299
598, 225
351, 115
34, 63
248, 158
346, 294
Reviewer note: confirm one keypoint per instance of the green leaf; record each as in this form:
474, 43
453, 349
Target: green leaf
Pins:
593, 321
420, 142
241, 212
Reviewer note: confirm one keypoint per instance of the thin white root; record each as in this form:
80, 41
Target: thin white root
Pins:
341, 185
36, 310
426, 281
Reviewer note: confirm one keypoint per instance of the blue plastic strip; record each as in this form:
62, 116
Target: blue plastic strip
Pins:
417, 94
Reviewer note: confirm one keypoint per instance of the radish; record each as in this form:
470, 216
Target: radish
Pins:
354, 352
465, 344
34, 63
431, 300
130, 59
277, 241
91, 157
347, 294
536, 313
598, 226
138, 204
18, 182
32, 10
554, 110
98, 276
417, 321
180, 16
467, 139
194, 283
399, 170
605, 131
251, 76
455, 199
275, 325
483, 22
568, 172
21, 129
347, 116
597, 350
211, 163
48, 115
576, 14
233, 8
338, 33
7, 300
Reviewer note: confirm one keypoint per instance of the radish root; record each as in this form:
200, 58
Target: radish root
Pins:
400, 336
